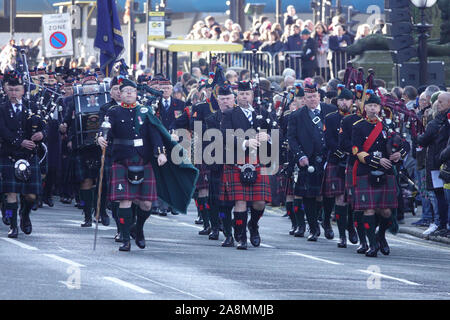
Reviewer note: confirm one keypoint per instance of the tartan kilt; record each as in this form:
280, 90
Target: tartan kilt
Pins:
309, 185
10, 184
203, 177
120, 189
233, 190
349, 189
81, 169
106, 173
289, 188
367, 197
333, 183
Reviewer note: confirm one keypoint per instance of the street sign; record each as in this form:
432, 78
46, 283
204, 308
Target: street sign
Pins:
57, 35
156, 30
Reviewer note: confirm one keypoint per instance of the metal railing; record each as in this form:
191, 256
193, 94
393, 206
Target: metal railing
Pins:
261, 62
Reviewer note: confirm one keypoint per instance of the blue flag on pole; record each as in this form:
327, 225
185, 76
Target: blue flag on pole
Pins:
109, 35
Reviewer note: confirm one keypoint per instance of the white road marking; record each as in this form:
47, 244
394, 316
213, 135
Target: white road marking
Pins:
61, 259
128, 285
266, 245
189, 225
160, 218
159, 283
313, 258
20, 244
100, 226
389, 277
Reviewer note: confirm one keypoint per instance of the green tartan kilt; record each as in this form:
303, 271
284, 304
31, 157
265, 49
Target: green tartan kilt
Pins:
367, 197
10, 184
86, 165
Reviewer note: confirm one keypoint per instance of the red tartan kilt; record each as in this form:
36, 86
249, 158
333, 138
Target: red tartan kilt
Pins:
333, 184
121, 189
367, 197
203, 177
233, 190
290, 184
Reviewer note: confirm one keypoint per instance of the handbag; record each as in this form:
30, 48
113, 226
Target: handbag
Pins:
377, 178
248, 174
135, 174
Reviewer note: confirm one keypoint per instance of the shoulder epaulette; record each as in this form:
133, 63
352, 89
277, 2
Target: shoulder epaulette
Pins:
329, 114
358, 121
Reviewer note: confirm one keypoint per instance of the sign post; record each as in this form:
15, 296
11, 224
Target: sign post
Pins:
57, 35
156, 30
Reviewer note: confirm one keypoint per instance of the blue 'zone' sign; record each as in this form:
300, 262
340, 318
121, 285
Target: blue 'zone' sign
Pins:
58, 40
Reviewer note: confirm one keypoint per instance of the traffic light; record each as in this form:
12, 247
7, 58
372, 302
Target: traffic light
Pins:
399, 29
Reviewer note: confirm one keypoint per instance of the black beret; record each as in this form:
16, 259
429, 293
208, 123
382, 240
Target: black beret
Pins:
371, 97
114, 81
225, 90
244, 86
331, 94
345, 94
310, 87
299, 92
127, 83
14, 79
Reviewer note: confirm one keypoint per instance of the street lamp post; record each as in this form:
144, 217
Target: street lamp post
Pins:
422, 29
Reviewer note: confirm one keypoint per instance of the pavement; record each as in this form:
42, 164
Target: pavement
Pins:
57, 261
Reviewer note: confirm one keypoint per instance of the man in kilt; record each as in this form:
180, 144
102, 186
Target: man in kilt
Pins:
307, 141
334, 181
345, 145
115, 100
218, 208
244, 150
19, 163
373, 177
288, 176
86, 159
135, 140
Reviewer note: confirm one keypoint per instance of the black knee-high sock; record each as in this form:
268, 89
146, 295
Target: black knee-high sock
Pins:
328, 204
319, 210
225, 215
240, 224
141, 217
27, 205
385, 223
370, 226
11, 213
114, 209
125, 220
87, 196
290, 213
299, 212
341, 219
255, 215
197, 205
214, 216
203, 208
350, 221
359, 225
311, 213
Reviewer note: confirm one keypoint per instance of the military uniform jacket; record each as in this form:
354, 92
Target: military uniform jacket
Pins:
101, 117
235, 119
16, 128
332, 129
345, 136
370, 160
125, 126
305, 138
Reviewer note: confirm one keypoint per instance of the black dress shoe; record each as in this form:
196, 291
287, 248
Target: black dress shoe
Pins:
312, 237
292, 231
299, 232
35, 206
242, 245
40, 203
383, 245
6, 220
328, 231
352, 235
285, 215
13, 233
363, 247
105, 219
133, 231
228, 242
342, 243
126, 246
87, 221
49, 201
214, 235
372, 252
205, 231
25, 224
198, 221
255, 239
173, 212
163, 213
118, 237
140, 239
